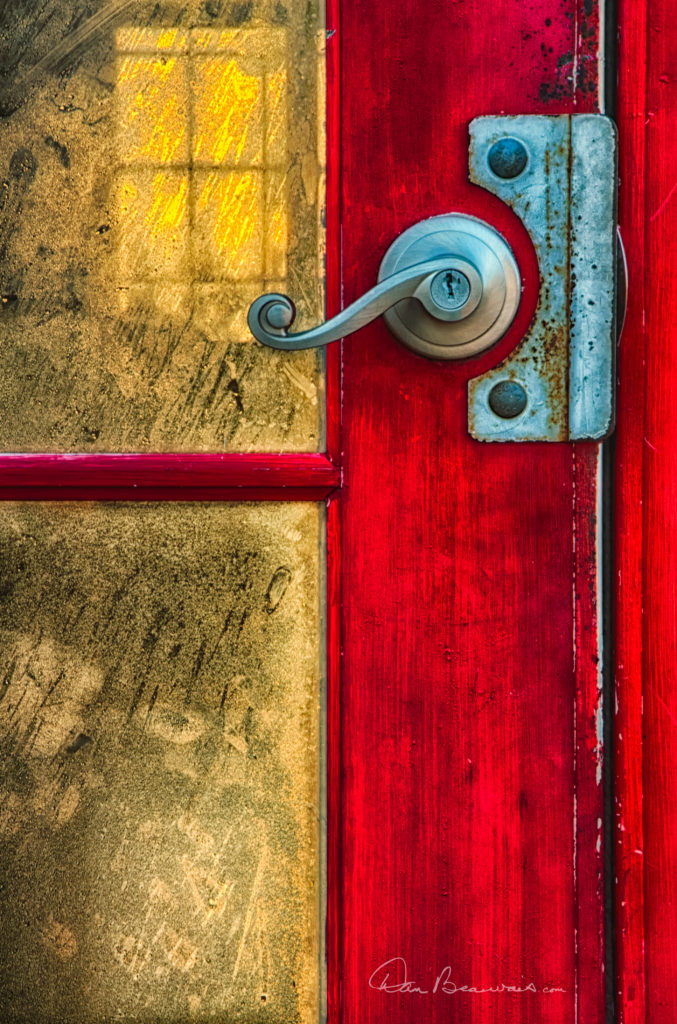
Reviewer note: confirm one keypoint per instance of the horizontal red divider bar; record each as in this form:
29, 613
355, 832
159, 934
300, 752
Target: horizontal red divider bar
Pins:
170, 476
163, 494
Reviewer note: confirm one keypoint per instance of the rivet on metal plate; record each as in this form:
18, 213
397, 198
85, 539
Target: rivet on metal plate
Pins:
508, 399
508, 158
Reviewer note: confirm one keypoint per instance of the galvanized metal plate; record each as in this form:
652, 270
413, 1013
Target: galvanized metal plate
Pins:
565, 193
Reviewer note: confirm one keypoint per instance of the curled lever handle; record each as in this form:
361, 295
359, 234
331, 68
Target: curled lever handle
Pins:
270, 316
448, 288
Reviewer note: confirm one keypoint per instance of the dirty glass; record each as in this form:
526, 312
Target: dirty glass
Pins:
161, 165
160, 745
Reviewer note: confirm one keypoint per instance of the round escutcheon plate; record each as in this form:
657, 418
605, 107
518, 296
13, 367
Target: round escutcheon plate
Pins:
483, 321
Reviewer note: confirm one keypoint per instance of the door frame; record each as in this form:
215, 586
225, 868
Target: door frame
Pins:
647, 380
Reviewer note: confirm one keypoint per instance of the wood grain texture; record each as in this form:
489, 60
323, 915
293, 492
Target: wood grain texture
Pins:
334, 844
647, 523
631, 446
333, 226
471, 799
334, 838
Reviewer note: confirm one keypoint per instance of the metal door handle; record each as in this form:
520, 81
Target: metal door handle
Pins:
270, 316
449, 288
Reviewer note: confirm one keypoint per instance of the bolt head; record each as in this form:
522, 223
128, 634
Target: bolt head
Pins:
507, 399
508, 158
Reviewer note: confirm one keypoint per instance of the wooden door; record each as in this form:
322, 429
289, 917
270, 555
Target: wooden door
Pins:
470, 702
465, 702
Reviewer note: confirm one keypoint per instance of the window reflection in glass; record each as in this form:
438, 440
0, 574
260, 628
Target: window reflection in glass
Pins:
157, 179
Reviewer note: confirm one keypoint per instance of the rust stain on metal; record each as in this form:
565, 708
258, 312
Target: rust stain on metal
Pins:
540, 197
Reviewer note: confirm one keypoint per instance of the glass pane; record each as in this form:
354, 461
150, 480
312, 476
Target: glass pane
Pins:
163, 165
160, 743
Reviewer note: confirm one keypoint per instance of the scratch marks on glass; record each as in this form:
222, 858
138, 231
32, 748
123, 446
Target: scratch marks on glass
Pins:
159, 746
165, 166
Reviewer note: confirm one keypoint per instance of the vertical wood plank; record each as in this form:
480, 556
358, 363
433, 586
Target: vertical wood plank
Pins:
631, 445
647, 524
660, 498
471, 799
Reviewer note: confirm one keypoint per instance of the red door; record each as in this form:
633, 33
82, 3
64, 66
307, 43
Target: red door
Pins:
468, 792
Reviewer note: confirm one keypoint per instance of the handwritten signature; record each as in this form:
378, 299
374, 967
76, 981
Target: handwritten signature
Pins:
392, 976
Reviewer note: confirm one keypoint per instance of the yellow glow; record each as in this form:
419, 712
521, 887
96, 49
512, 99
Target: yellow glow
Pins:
211, 103
229, 212
168, 206
154, 225
167, 38
265, 45
154, 96
227, 113
132, 39
276, 229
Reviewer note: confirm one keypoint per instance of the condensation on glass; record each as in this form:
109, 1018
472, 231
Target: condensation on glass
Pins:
160, 744
162, 165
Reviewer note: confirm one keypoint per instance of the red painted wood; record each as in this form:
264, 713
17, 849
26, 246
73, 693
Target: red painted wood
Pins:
471, 802
171, 476
334, 845
334, 918
647, 522
333, 229
588, 727
631, 444
124, 492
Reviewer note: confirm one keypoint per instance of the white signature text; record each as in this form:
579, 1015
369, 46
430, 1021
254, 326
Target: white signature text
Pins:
393, 977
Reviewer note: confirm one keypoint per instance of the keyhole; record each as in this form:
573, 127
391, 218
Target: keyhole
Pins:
450, 289
450, 282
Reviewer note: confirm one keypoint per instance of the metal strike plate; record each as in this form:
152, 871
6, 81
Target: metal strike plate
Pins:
565, 194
